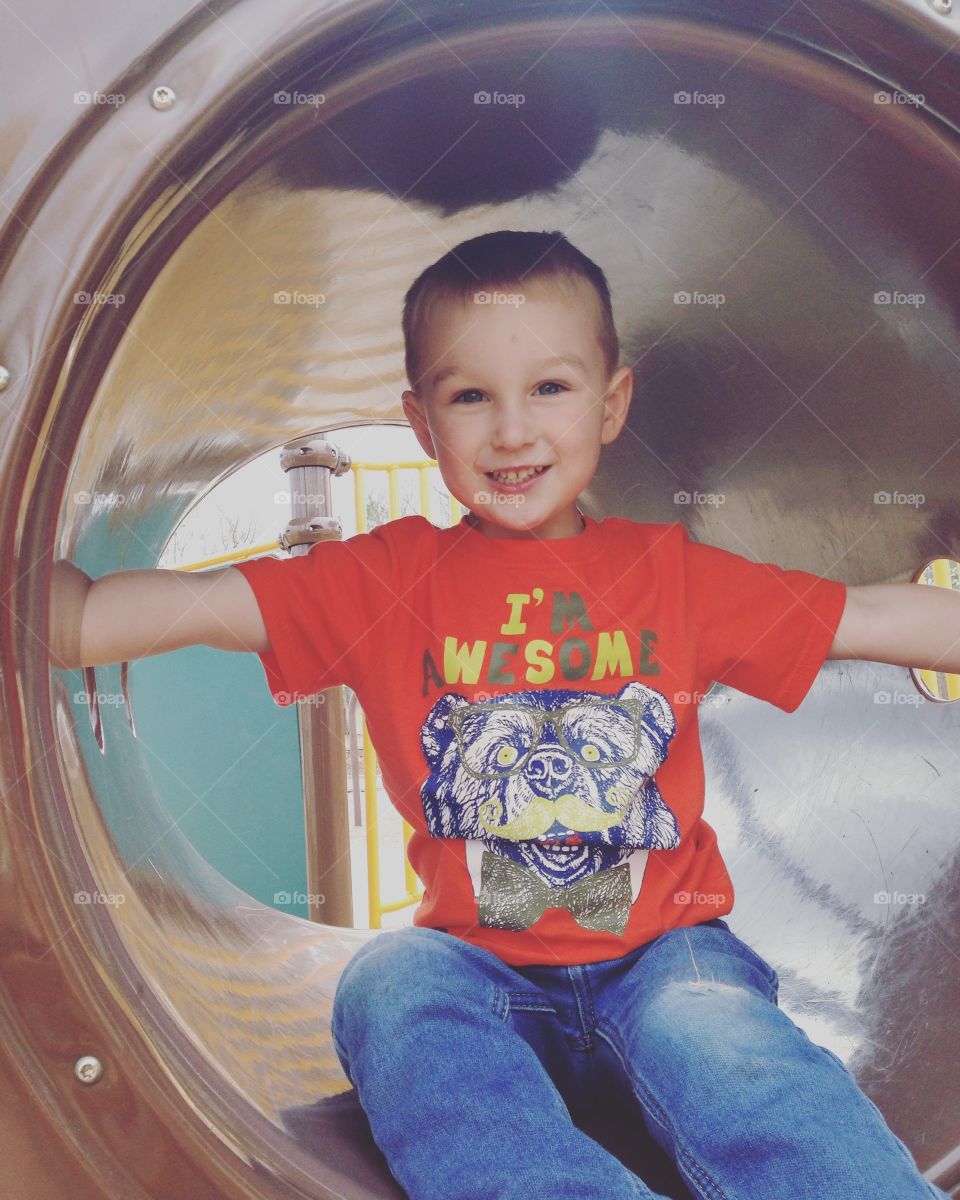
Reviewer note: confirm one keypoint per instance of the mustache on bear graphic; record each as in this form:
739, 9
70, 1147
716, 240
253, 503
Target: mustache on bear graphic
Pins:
541, 813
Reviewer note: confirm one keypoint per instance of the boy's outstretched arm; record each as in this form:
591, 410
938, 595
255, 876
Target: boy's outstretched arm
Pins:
133, 614
906, 624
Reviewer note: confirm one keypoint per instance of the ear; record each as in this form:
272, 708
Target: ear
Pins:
616, 403
415, 412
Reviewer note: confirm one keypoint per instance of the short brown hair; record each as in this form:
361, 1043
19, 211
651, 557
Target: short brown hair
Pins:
496, 261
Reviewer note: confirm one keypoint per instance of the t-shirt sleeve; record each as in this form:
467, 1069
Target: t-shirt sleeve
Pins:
759, 628
326, 612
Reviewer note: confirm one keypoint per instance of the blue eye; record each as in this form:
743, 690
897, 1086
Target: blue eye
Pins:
474, 392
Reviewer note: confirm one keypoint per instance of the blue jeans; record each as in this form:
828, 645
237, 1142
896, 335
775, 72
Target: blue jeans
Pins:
468, 1070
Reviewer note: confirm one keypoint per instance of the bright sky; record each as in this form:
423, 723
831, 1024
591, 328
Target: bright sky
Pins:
255, 496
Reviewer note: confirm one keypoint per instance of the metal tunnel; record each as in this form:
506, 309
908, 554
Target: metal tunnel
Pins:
772, 189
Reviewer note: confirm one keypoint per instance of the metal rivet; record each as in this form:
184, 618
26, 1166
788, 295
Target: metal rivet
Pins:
4, 379
88, 1069
163, 97
942, 6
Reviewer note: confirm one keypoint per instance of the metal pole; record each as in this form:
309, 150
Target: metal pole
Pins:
309, 465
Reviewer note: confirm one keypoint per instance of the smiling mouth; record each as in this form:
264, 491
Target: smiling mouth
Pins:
514, 477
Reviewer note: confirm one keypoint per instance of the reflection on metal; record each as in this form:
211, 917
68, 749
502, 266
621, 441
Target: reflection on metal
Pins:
93, 705
938, 685
125, 693
212, 1011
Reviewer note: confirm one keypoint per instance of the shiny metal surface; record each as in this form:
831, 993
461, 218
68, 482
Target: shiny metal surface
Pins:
796, 400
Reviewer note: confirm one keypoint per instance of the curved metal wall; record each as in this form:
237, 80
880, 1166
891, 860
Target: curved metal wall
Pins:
797, 398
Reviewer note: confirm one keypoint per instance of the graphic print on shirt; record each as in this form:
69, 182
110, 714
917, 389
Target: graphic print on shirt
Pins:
554, 791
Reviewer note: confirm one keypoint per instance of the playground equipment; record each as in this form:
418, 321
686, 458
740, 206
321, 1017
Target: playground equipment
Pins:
212, 212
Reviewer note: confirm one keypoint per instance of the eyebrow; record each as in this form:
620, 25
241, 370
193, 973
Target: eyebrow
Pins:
566, 360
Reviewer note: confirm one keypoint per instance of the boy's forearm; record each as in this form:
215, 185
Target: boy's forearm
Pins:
117, 618
906, 624
133, 614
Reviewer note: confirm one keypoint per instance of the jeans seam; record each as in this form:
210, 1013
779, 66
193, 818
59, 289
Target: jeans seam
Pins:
500, 1007
693, 1173
588, 1026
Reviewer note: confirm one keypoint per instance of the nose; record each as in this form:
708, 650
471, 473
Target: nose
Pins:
548, 767
512, 426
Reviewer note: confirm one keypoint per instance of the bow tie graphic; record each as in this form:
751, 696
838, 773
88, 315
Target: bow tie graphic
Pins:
514, 897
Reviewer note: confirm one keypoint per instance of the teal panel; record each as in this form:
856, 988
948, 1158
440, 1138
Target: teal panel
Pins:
225, 763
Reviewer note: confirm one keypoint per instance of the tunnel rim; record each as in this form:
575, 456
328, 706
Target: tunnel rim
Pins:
86, 351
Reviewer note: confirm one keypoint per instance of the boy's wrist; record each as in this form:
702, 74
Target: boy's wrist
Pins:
68, 597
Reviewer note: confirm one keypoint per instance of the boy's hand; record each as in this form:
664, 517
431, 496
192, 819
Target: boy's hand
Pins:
906, 624
133, 614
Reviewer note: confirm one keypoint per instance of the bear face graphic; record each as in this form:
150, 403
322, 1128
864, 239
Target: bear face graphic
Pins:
559, 781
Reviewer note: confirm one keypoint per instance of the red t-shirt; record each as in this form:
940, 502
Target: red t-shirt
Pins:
533, 705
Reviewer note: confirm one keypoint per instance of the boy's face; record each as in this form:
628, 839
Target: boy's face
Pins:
506, 407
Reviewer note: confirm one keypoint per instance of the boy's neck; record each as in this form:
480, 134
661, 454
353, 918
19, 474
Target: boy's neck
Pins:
475, 523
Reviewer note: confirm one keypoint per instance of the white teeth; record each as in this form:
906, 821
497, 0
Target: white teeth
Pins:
516, 476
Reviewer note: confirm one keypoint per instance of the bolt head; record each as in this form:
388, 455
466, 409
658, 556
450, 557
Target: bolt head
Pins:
88, 1069
942, 6
4, 379
163, 97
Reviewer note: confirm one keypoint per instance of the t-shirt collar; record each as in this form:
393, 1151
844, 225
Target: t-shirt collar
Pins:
577, 548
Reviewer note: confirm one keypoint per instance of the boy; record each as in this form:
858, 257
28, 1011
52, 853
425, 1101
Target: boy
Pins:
526, 676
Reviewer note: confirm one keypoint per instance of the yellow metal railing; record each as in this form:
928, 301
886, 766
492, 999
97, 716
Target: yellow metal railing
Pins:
231, 556
945, 573
413, 892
